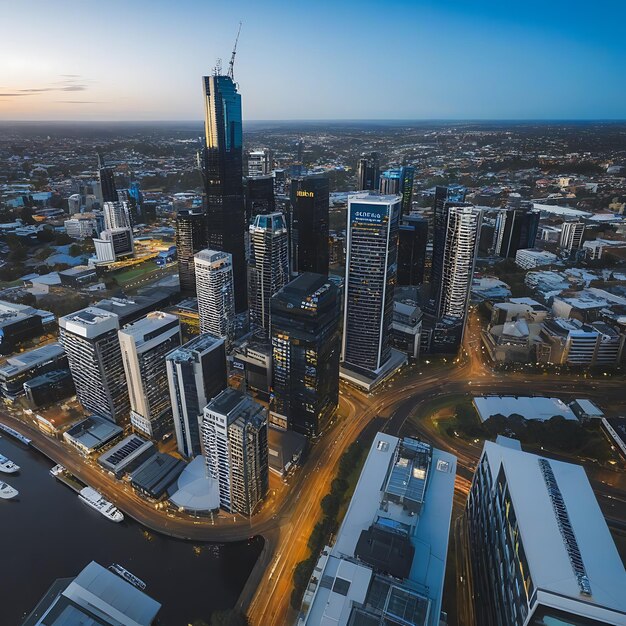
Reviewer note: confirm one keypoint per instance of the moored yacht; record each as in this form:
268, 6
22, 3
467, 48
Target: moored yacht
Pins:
7, 466
98, 502
7, 492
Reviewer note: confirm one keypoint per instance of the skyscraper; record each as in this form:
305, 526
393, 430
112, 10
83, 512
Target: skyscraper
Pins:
91, 341
196, 373
399, 181
269, 265
259, 162
445, 197
451, 299
260, 198
539, 548
234, 433
144, 345
215, 291
371, 268
116, 215
412, 240
191, 237
305, 353
309, 224
106, 179
113, 244
390, 182
408, 175
515, 229
571, 236
368, 171
221, 162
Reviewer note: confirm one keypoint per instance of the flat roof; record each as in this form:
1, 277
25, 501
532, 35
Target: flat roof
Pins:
89, 322
588, 407
93, 431
530, 408
19, 363
544, 546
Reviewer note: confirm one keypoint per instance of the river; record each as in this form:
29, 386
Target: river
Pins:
48, 533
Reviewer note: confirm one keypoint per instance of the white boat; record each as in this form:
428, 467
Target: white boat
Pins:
56, 470
7, 492
98, 502
128, 576
7, 466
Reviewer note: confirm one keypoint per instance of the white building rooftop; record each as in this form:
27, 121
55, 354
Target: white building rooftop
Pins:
546, 551
530, 408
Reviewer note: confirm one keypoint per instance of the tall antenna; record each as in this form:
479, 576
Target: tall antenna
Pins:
231, 65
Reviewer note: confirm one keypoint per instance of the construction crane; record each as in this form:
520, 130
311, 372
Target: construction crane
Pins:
231, 65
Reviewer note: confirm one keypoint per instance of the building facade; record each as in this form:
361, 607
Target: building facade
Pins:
221, 162
412, 241
305, 354
196, 373
91, 342
516, 228
191, 237
234, 434
308, 228
116, 215
260, 197
536, 534
268, 270
368, 172
216, 293
572, 234
371, 275
144, 345
259, 162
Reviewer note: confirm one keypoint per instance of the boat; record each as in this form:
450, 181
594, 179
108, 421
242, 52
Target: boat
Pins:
128, 576
56, 470
14, 433
7, 466
7, 492
98, 502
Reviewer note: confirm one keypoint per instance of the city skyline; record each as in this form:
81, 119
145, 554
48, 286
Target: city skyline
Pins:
443, 61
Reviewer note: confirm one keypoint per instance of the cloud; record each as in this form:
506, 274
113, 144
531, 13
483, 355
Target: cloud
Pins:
79, 101
69, 83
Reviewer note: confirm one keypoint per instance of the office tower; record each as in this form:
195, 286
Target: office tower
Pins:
90, 339
234, 435
305, 354
371, 267
279, 182
113, 244
216, 293
136, 201
450, 299
539, 547
368, 171
309, 224
144, 345
571, 236
196, 373
445, 197
407, 173
107, 182
269, 265
387, 564
260, 198
515, 229
116, 215
221, 162
390, 183
300, 151
80, 227
259, 162
191, 237
412, 241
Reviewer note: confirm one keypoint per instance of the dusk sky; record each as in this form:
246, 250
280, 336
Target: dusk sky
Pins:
437, 59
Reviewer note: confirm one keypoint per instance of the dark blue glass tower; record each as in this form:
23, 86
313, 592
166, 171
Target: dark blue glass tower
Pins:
221, 161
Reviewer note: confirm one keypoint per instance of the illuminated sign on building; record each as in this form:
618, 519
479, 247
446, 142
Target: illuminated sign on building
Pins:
305, 194
367, 214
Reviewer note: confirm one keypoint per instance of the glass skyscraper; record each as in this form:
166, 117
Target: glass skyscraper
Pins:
221, 162
305, 353
309, 224
191, 237
371, 269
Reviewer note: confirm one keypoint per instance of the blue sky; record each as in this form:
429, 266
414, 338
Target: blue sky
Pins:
445, 59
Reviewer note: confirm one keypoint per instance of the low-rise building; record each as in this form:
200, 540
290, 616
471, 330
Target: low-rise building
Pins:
406, 328
48, 388
92, 433
127, 455
531, 257
615, 429
387, 564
